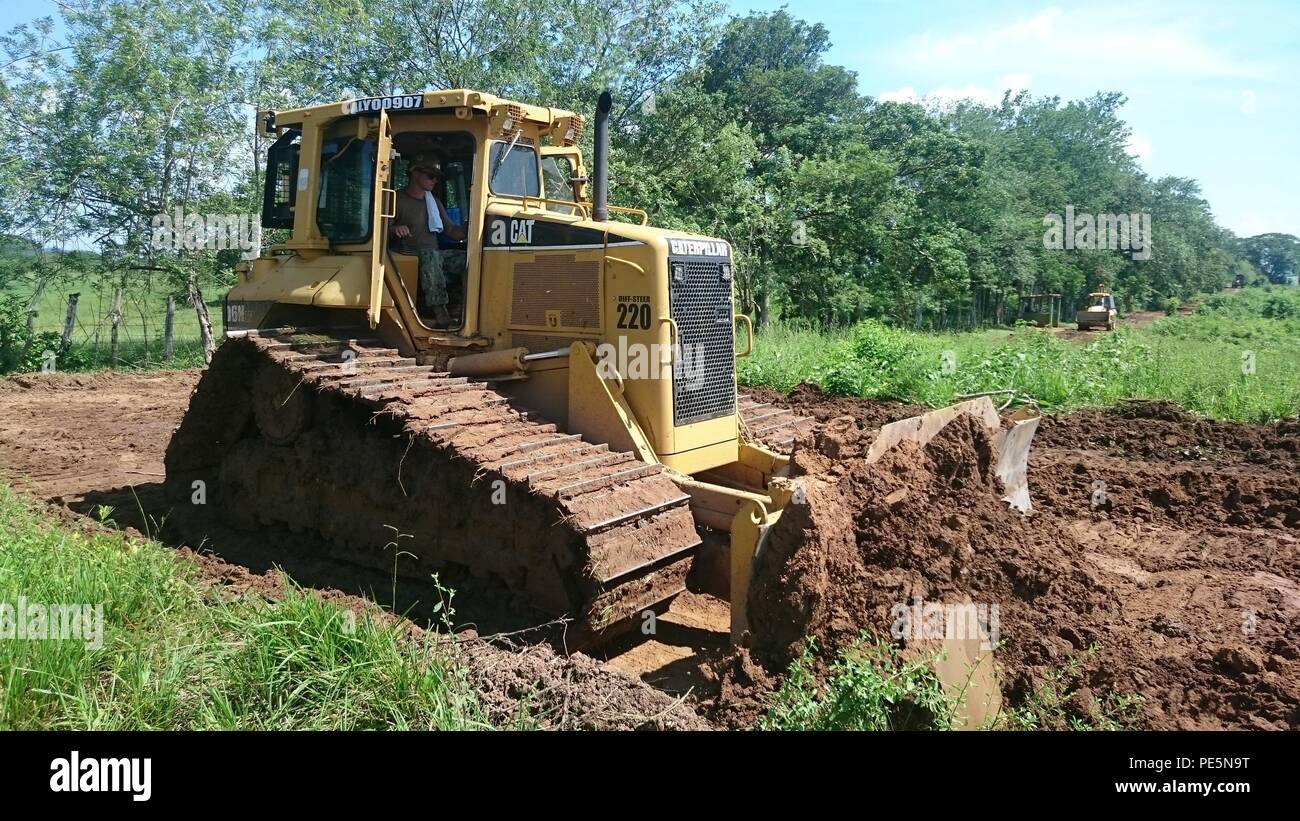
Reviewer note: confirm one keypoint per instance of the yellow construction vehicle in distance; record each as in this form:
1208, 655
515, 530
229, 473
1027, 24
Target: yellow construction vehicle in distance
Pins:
1099, 313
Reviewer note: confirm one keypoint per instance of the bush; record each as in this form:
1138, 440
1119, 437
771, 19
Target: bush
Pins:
870, 686
877, 361
1282, 306
21, 353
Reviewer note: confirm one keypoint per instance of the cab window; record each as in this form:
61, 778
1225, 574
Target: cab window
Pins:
557, 177
516, 176
347, 175
557, 173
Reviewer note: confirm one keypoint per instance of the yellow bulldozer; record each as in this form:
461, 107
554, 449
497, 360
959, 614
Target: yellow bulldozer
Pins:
570, 425
1100, 311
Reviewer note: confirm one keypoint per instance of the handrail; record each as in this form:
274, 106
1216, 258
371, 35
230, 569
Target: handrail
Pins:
674, 333
645, 217
629, 263
582, 207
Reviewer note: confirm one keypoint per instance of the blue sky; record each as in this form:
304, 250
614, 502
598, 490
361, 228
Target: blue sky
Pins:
1213, 87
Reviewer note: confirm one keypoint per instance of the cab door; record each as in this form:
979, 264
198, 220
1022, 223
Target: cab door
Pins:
384, 208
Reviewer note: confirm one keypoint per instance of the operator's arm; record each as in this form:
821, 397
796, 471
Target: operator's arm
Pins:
399, 226
448, 227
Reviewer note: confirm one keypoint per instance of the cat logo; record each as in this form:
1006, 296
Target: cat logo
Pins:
520, 232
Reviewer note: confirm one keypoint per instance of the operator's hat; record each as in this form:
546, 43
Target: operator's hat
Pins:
427, 164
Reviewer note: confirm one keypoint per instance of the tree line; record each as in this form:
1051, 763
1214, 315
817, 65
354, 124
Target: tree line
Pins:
838, 206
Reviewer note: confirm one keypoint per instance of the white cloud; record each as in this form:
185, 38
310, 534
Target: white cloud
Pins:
1124, 42
947, 95
1139, 146
906, 94
1252, 223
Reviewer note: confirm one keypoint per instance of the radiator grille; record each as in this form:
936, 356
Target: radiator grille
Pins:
700, 301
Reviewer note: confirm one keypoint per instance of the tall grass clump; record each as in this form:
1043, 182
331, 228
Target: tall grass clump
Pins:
172, 655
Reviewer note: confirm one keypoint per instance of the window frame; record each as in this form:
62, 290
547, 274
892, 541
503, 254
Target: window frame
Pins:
290, 141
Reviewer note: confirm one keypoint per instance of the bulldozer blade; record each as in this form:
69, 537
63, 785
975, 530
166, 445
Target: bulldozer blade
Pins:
965, 666
1012, 444
921, 429
1013, 463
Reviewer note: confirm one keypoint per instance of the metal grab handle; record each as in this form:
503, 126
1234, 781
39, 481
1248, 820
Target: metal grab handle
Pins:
387, 203
596, 360
749, 327
636, 212
629, 263
674, 334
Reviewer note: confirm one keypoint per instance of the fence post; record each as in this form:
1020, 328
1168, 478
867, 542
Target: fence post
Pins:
70, 321
205, 322
33, 308
115, 317
168, 329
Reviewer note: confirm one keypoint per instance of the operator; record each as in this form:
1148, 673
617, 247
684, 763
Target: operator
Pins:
420, 219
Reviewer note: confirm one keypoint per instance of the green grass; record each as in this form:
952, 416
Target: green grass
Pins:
871, 685
173, 655
1060, 702
1194, 360
140, 331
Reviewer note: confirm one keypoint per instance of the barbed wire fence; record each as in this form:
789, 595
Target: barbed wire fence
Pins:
119, 326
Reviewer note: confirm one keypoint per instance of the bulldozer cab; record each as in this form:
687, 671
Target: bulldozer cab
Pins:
338, 175
1102, 300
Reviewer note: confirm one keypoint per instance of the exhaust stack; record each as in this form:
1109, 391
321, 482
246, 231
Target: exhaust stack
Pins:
600, 188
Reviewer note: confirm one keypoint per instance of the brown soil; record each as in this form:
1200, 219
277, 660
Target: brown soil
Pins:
1196, 540
80, 441
1186, 578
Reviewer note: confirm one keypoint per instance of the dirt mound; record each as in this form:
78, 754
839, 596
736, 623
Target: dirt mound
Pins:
1165, 432
927, 524
922, 522
96, 380
573, 692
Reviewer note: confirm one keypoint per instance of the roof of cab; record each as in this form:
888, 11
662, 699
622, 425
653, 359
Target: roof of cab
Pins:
453, 98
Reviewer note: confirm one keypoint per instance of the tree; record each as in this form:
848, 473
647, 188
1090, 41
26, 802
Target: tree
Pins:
1276, 255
